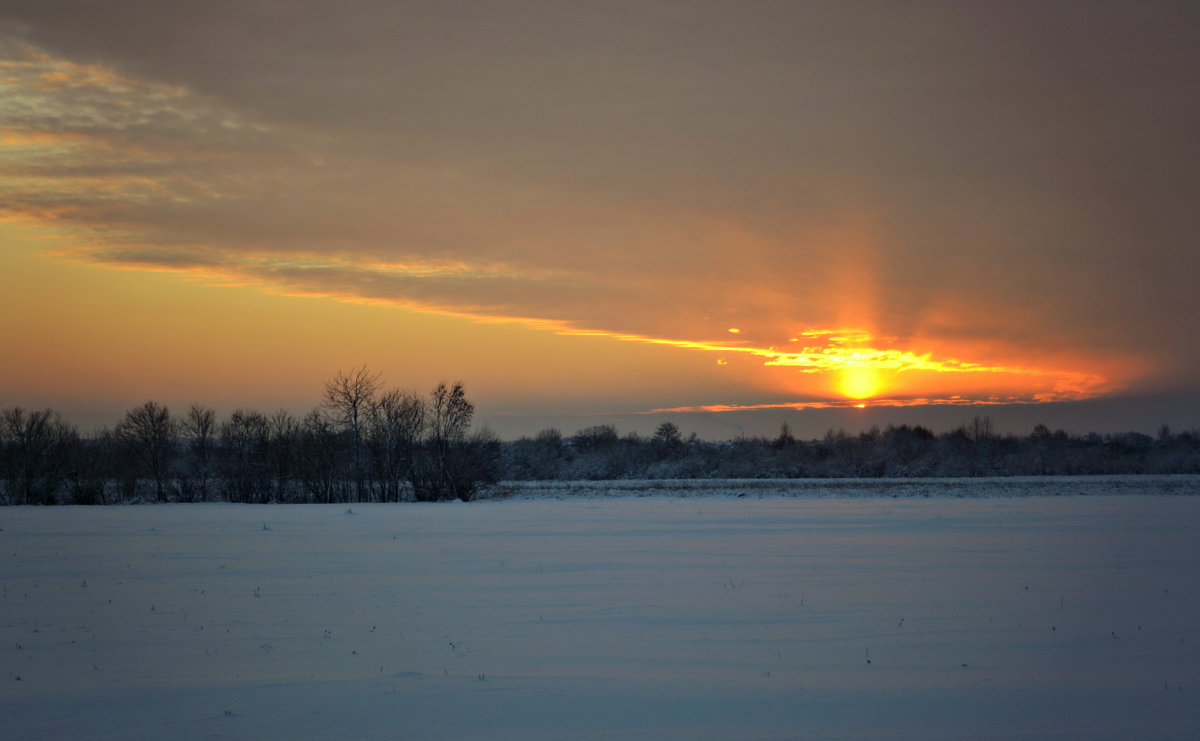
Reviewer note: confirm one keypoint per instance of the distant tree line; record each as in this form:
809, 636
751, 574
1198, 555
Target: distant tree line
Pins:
364, 443
972, 449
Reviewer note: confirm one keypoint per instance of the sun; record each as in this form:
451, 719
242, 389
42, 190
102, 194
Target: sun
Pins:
859, 382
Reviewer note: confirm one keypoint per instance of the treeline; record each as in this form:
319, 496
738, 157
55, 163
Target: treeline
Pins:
363, 443
367, 444
972, 449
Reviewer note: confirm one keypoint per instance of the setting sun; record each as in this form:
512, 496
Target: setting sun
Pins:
859, 382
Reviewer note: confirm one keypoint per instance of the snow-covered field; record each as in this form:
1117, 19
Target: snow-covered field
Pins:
604, 617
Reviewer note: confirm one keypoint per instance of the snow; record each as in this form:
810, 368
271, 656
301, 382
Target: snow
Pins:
597, 617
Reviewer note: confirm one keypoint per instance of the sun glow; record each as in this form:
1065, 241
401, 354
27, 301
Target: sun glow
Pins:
858, 367
859, 382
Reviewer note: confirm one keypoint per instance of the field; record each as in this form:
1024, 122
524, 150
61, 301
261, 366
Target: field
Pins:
600, 612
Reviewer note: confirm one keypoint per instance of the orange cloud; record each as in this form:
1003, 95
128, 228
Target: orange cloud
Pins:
856, 368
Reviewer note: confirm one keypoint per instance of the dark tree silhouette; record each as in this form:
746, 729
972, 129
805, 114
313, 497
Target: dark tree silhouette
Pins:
34, 448
349, 398
539, 458
438, 474
283, 438
95, 460
595, 438
200, 427
148, 432
317, 458
785, 438
398, 421
245, 438
422, 447
667, 440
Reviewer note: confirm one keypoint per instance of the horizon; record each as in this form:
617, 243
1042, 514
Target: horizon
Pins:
726, 217
807, 425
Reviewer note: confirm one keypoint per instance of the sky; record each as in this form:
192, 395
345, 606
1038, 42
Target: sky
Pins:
728, 215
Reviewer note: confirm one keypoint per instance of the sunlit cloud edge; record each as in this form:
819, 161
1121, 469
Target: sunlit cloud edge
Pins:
820, 350
956, 401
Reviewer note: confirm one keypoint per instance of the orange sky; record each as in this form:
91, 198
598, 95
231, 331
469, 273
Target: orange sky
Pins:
602, 211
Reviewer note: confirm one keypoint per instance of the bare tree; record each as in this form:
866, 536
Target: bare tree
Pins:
35, 446
667, 441
453, 464
148, 432
317, 459
95, 462
398, 420
348, 400
476, 463
980, 429
244, 442
284, 442
450, 419
200, 426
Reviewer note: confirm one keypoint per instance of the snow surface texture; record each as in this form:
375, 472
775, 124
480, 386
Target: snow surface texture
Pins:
601, 618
